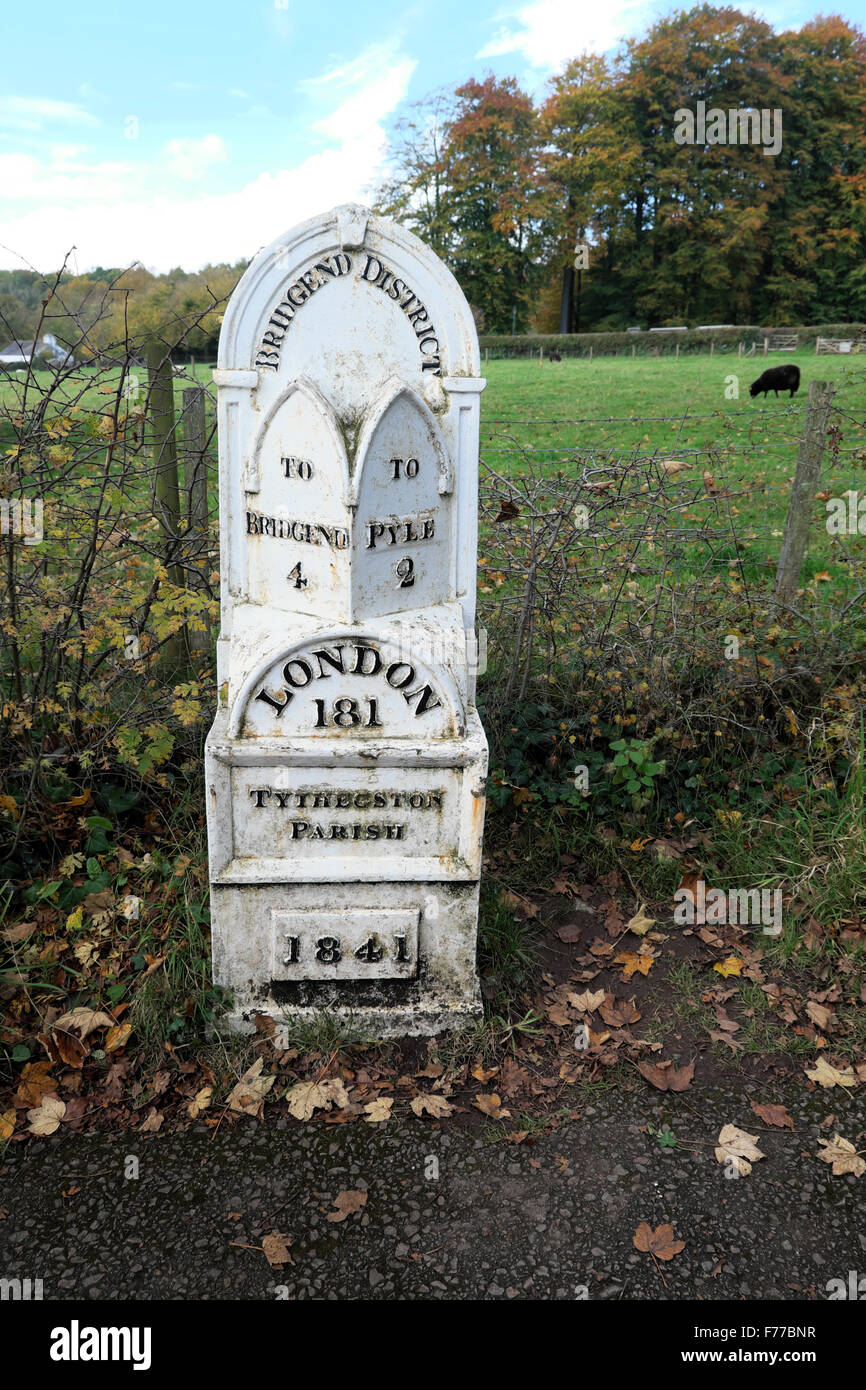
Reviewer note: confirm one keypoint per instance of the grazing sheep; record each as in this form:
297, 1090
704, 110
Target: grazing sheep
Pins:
777, 379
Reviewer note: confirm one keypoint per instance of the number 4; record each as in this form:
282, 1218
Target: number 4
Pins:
370, 950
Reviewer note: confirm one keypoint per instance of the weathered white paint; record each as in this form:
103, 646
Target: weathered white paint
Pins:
346, 765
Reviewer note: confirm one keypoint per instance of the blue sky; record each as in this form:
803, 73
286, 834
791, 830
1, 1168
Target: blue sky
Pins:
182, 132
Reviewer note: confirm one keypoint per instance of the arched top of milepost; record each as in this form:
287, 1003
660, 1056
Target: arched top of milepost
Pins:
354, 230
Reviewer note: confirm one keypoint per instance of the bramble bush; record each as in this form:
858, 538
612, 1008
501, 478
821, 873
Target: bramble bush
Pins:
103, 685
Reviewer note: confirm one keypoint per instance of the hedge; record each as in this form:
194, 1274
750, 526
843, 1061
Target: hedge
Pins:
646, 343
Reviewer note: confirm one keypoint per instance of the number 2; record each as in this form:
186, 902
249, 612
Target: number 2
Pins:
405, 570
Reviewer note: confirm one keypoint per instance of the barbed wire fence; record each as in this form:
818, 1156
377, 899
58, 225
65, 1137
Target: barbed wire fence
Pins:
643, 581
628, 565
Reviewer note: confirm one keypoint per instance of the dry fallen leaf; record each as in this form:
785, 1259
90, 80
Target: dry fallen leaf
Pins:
666, 1078
276, 1248
559, 1015
22, 930
619, 1013
7, 1124
640, 923
773, 1115
737, 1147
826, 1075
116, 1037
63, 1046
200, 1101
587, 1002
309, 1096
248, 1096
843, 1156
659, 1242
379, 1110
36, 1081
821, 1016
491, 1105
84, 1021
631, 962
347, 1203
732, 965
47, 1118
482, 1073
437, 1106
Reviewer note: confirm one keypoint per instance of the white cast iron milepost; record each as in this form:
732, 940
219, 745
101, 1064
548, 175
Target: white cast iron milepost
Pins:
346, 766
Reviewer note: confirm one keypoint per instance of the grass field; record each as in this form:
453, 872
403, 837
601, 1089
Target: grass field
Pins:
608, 404
617, 411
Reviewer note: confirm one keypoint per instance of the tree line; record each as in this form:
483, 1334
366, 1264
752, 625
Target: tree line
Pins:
505, 187
93, 313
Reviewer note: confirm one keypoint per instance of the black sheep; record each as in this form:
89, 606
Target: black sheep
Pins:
777, 379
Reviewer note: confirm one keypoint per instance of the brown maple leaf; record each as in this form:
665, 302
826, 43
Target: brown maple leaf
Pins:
491, 1105
659, 1242
347, 1202
775, 1115
665, 1077
276, 1248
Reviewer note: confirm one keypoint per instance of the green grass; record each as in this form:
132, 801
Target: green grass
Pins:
813, 847
562, 416
558, 413
577, 390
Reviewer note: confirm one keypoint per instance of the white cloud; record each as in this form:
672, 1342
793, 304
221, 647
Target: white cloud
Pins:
550, 32
117, 214
163, 232
376, 61
359, 116
25, 177
191, 159
33, 113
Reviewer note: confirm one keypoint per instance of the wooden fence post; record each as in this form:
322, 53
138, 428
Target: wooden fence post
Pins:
195, 481
796, 537
712, 346
163, 442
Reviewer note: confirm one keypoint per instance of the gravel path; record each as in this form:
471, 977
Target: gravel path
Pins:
499, 1221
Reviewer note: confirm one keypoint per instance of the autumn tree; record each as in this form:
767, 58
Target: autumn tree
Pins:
816, 264
493, 189
587, 151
